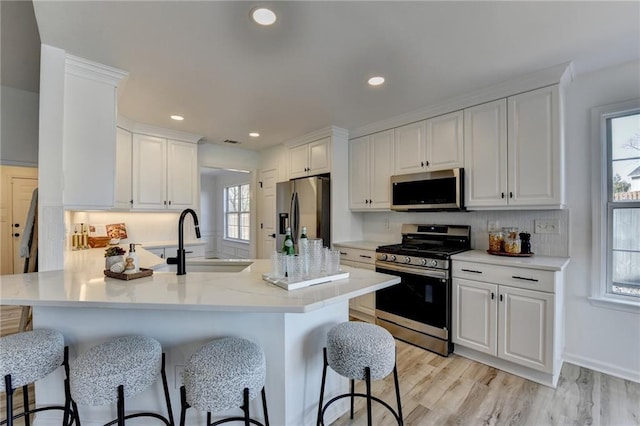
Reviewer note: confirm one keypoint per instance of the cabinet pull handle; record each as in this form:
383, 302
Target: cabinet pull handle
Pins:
169, 202
501, 298
370, 201
343, 253
510, 194
502, 195
365, 256
165, 202
427, 163
471, 270
130, 201
524, 278
493, 295
422, 164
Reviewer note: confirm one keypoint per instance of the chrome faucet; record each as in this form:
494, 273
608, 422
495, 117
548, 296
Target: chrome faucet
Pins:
181, 256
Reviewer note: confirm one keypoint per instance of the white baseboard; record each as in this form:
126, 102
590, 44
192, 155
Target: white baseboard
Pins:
602, 367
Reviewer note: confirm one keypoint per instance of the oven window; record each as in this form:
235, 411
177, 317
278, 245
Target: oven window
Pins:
417, 298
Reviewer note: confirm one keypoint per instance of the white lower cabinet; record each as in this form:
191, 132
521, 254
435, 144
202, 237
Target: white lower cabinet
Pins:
362, 307
507, 316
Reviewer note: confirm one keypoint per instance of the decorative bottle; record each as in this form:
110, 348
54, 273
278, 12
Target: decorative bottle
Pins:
287, 245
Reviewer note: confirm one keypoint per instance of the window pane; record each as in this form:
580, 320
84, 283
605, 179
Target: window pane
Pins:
245, 197
244, 233
232, 199
625, 137
626, 180
625, 259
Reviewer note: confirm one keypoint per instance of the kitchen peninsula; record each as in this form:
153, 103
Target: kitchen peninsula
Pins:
184, 312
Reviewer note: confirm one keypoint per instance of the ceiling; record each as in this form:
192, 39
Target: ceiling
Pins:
207, 61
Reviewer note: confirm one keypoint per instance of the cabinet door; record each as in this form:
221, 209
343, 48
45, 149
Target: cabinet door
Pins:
182, 175
485, 157
359, 173
410, 148
381, 152
123, 199
473, 316
526, 328
319, 157
149, 172
534, 169
444, 136
298, 161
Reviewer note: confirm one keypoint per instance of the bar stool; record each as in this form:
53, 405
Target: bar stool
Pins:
26, 358
360, 351
117, 369
224, 374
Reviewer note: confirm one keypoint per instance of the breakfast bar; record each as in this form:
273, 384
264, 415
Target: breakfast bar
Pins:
185, 312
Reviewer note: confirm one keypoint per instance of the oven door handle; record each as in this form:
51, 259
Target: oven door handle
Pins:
416, 271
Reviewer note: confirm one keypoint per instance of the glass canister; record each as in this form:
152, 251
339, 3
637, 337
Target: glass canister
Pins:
512, 243
495, 241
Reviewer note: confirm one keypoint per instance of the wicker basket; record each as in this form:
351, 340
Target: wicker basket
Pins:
97, 242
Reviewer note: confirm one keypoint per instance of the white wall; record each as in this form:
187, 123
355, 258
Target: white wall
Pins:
227, 157
600, 338
19, 134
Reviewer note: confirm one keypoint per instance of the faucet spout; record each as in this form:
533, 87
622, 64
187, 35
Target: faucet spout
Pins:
180, 259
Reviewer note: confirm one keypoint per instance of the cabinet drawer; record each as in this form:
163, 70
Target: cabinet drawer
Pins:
357, 255
532, 279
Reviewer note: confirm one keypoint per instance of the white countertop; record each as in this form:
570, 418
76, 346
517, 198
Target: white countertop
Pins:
362, 245
548, 263
172, 244
82, 284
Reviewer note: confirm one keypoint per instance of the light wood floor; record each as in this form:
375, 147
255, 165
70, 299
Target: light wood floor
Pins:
457, 391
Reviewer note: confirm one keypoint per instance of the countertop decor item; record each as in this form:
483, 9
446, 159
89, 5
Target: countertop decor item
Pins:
122, 276
504, 253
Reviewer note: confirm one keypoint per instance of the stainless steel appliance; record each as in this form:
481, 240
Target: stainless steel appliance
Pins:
304, 202
428, 191
418, 310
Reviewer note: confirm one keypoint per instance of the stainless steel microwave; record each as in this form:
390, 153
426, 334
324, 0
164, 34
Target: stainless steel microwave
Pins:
428, 191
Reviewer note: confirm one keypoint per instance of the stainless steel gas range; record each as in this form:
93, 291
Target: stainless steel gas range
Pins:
418, 310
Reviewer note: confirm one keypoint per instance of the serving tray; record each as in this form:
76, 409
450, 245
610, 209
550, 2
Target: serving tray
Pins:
122, 276
504, 253
284, 283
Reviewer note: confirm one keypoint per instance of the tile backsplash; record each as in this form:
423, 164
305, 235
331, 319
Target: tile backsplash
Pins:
386, 227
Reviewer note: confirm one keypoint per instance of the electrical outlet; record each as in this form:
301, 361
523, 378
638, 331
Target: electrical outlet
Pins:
179, 375
493, 225
546, 226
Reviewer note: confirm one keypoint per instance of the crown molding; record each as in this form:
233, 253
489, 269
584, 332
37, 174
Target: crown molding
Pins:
81, 67
330, 131
161, 132
559, 74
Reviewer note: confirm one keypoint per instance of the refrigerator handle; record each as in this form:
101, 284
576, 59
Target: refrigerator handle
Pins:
295, 217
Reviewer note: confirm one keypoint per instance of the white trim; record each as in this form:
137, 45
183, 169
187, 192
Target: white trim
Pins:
330, 131
93, 70
602, 367
599, 292
161, 132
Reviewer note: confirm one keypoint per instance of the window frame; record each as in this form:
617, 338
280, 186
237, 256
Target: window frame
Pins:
238, 213
603, 206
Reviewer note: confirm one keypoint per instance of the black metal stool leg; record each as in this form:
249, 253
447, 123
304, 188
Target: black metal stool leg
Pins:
76, 415
67, 403
166, 391
25, 406
264, 407
9, 399
208, 418
120, 405
367, 378
245, 406
352, 396
324, 375
184, 406
395, 379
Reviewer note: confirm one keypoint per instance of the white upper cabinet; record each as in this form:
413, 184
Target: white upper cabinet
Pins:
370, 167
430, 145
164, 173
310, 159
513, 152
123, 198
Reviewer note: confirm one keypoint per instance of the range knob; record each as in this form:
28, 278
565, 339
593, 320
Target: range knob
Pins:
407, 259
393, 258
423, 262
432, 262
383, 257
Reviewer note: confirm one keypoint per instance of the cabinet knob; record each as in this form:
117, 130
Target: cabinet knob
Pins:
17, 225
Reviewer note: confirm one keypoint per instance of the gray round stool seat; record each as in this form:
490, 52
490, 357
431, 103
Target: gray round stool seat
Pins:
131, 361
30, 356
217, 374
353, 346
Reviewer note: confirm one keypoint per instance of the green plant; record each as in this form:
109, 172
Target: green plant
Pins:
114, 251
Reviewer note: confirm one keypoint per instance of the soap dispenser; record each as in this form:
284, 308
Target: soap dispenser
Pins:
133, 255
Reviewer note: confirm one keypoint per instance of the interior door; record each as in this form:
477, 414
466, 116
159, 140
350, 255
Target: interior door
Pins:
268, 212
21, 192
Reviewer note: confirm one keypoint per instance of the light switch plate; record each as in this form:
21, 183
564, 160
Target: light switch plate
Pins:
547, 226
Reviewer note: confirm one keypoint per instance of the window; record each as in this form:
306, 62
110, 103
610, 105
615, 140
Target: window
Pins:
617, 210
237, 212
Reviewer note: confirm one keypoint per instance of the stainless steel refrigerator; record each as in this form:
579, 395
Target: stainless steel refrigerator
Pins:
304, 202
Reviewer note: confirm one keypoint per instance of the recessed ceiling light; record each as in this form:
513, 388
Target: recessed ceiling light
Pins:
263, 16
177, 117
376, 81
254, 134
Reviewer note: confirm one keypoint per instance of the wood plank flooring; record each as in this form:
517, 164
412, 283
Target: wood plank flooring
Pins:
457, 391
